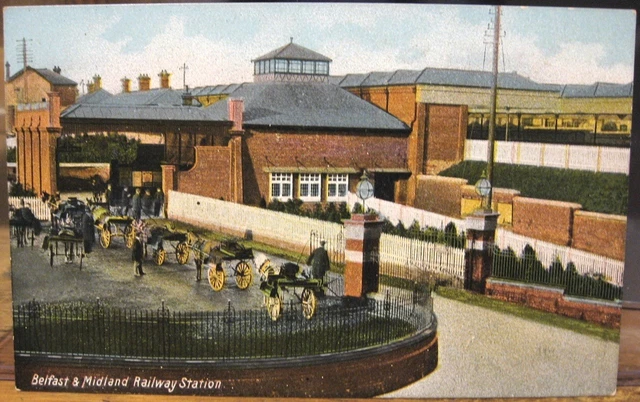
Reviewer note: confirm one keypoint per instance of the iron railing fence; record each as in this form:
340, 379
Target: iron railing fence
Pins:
528, 267
99, 331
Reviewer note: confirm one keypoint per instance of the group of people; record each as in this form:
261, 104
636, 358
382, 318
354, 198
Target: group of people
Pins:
135, 202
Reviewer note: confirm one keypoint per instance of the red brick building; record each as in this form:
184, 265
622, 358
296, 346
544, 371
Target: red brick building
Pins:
289, 134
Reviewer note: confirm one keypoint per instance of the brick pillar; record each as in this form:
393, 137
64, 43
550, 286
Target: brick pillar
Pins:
362, 268
481, 233
169, 182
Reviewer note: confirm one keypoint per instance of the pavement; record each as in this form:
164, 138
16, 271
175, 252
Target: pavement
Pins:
485, 353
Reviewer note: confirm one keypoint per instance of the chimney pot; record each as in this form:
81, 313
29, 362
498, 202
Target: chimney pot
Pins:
126, 85
236, 110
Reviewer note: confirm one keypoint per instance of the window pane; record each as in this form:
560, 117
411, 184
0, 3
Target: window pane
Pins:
331, 190
281, 66
275, 190
286, 190
295, 66
307, 67
315, 190
322, 67
342, 190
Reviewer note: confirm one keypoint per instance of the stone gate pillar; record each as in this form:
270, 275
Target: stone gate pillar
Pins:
362, 270
481, 232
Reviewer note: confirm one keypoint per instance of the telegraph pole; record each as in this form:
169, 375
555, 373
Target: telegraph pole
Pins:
184, 69
494, 96
26, 58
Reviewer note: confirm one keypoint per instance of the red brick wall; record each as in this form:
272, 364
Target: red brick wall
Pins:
600, 233
315, 152
551, 221
552, 300
210, 175
446, 133
439, 194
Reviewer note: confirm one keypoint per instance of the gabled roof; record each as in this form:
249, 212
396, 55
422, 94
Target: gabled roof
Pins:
598, 90
306, 105
52, 77
443, 76
293, 51
98, 96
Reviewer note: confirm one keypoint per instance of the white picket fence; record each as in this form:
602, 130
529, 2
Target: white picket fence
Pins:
37, 206
547, 253
411, 254
578, 157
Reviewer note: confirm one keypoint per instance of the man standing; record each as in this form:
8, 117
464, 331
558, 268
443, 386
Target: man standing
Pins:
137, 255
319, 261
136, 204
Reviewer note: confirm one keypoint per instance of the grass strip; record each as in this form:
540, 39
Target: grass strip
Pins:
528, 313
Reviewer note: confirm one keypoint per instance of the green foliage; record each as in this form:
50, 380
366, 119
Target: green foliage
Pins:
529, 269
98, 148
328, 212
11, 154
18, 191
596, 192
449, 236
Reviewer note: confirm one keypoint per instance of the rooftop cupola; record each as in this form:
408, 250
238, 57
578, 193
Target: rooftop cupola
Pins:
291, 62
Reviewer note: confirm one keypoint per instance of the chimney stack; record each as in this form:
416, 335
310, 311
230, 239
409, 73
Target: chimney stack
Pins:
57, 69
7, 67
165, 79
126, 85
236, 109
97, 82
91, 87
144, 82
187, 98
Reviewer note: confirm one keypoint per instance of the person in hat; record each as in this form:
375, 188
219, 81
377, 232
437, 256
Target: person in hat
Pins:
319, 261
137, 255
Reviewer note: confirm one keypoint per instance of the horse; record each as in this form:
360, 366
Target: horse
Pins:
22, 220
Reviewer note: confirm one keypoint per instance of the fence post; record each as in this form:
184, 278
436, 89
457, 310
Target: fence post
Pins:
481, 232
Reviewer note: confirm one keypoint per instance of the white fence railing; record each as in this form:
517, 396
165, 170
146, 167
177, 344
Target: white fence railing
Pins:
37, 206
412, 254
578, 157
407, 215
547, 253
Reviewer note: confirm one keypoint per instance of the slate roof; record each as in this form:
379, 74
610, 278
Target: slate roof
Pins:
52, 77
598, 90
293, 51
443, 76
139, 112
317, 105
98, 96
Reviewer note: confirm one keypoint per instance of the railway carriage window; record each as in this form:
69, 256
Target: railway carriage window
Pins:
337, 185
281, 186
310, 187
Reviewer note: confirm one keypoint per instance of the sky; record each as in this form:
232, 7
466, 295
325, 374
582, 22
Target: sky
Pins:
217, 42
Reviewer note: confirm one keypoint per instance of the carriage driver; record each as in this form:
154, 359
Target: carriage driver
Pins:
319, 261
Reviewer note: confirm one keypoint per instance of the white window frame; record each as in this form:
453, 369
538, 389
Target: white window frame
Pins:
309, 187
279, 182
341, 182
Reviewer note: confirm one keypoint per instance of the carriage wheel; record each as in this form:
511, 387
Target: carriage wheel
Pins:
159, 256
243, 275
309, 303
129, 236
274, 307
216, 278
182, 253
105, 236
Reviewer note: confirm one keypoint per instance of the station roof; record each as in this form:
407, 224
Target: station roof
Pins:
292, 51
598, 90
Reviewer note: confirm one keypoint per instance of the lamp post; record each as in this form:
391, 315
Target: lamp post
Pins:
364, 190
483, 188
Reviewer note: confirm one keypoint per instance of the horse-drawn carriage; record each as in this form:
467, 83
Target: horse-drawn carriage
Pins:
219, 256
25, 226
288, 278
164, 237
110, 226
71, 225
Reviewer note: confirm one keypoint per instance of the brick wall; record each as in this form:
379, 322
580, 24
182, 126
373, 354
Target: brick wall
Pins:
553, 300
211, 174
600, 233
315, 152
547, 220
440, 194
446, 133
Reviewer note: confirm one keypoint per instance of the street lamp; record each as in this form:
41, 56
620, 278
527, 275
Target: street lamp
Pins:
483, 188
364, 190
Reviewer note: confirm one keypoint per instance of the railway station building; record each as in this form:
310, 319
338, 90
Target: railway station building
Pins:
296, 131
